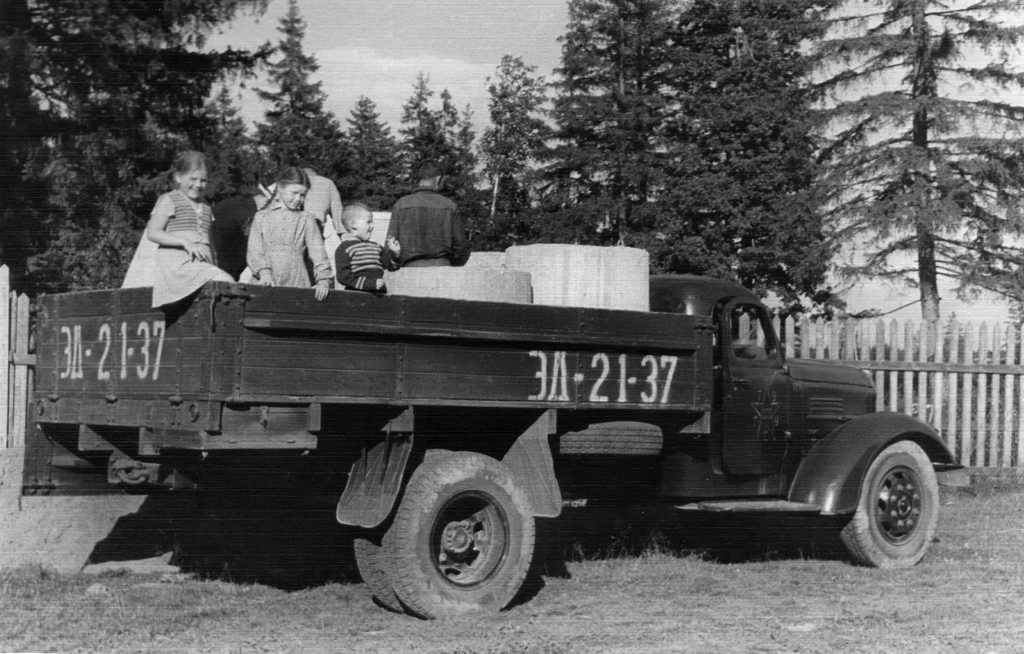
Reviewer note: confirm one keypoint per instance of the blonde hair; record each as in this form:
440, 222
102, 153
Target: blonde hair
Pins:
353, 211
188, 161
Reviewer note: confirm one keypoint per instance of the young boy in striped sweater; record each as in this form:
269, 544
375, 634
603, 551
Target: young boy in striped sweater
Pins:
359, 261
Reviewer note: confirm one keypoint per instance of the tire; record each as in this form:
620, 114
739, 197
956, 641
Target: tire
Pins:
373, 569
462, 539
898, 509
613, 438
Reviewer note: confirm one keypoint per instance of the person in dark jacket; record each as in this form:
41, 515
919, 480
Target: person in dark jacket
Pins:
229, 232
428, 225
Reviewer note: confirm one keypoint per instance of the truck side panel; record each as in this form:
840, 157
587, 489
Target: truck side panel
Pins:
437, 351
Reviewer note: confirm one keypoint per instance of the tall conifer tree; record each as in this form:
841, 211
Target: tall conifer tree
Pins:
612, 96
511, 144
95, 100
738, 199
374, 159
297, 129
925, 157
443, 134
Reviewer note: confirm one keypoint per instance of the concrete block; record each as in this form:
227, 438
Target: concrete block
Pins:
487, 260
462, 284
585, 276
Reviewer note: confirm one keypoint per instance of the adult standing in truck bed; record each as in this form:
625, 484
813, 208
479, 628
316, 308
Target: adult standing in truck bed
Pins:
428, 225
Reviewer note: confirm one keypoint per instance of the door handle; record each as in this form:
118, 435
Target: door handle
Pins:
740, 381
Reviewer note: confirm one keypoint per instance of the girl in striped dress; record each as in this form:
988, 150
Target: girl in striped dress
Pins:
180, 226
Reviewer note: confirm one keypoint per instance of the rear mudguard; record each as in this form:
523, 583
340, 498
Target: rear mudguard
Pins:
830, 475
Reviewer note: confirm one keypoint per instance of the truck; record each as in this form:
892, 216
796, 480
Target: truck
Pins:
442, 429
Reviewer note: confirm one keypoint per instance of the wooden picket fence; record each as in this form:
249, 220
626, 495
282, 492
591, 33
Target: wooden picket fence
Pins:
965, 379
17, 365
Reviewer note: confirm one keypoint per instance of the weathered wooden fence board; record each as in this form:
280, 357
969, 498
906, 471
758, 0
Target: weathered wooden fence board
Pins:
965, 379
16, 362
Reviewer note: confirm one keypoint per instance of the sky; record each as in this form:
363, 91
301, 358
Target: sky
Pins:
377, 48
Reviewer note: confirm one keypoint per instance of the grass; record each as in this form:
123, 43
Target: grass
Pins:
608, 594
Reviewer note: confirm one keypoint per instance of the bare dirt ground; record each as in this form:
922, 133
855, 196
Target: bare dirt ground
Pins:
724, 587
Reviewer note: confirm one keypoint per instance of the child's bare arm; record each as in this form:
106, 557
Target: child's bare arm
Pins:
156, 231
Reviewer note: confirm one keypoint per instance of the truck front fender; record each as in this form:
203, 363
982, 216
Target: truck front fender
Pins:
830, 475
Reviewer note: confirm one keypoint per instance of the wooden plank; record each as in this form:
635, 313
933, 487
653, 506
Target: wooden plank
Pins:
790, 338
849, 345
975, 368
908, 376
953, 382
892, 354
805, 339
936, 354
1019, 460
879, 355
967, 400
992, 438
5, 355
834, 350
21, 388
1006, 442
981, 401
921, 378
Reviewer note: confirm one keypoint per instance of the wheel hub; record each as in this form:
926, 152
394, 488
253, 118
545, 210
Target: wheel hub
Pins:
898, 507
457, 537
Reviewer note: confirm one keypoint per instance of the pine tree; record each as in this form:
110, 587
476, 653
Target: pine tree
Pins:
610, 109
95, 99
297, 129
925, 150
517, 132
443, 135
738, 198
374, 159
235, 163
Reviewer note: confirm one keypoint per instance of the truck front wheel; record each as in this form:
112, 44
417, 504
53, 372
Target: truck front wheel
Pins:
898, 509
462, 539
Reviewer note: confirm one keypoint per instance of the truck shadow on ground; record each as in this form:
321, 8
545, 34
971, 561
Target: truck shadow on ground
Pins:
282, 541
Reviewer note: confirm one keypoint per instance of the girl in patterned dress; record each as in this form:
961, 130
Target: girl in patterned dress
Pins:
282, 234
180, 226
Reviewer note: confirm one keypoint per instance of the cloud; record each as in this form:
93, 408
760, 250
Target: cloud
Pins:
349, 72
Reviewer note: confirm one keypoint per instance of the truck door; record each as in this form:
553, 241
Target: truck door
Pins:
755, 391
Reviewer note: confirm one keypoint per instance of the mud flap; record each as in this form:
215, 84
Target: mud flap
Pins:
374, 481
530, 461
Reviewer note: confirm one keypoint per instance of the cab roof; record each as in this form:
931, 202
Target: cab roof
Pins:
693, 294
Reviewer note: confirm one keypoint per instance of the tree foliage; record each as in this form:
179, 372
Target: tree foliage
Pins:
613, 93
686, 129
95, 99
739, 198
442, 134
511, 143
376, 176
297, 129
925, 151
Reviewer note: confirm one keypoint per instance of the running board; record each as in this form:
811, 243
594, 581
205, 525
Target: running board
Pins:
751, 506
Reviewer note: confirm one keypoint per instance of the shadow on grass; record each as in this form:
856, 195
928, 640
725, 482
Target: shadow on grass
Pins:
278, 540
277, 537
612, 531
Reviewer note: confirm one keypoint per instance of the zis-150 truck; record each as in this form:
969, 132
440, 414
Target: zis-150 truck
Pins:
445, 428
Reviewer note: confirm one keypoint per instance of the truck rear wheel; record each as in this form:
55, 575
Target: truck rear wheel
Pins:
462, 539
373, 569
898, 509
